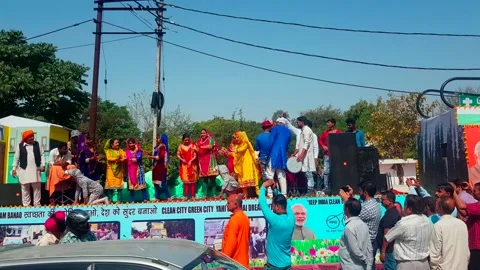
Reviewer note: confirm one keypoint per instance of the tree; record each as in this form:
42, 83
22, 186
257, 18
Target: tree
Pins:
320, 115
279, 113
35, 84
361, 112
113, 121
140, 110
394, 126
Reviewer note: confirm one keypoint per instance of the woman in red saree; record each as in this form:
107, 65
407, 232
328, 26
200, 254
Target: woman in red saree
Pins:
207, 160
228, 153
188, 168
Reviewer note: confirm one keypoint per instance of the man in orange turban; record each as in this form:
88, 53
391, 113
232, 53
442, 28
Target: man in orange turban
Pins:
28, 164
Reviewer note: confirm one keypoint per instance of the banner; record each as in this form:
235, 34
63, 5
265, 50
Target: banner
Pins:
319, 225
472, 152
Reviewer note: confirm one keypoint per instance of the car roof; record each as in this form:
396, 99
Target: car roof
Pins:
178, 252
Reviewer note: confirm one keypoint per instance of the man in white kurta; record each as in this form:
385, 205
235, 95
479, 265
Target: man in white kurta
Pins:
305, 151
297, 132
28, 164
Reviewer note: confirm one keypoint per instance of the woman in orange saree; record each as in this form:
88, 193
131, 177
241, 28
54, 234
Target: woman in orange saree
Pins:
188, 168
245, 165
207, 160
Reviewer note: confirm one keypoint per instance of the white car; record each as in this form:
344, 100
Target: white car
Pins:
149, 254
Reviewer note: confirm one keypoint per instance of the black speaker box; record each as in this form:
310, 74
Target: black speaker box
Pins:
342, 150
368, 167
10, 194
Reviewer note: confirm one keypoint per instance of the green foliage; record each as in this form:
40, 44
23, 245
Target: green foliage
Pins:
320, 115
361, 112
395, 125
35, 84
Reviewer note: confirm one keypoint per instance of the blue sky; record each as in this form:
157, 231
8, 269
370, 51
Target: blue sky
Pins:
204, 86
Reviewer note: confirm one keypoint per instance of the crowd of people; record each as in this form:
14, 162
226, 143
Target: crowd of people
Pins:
438, 233
78, 163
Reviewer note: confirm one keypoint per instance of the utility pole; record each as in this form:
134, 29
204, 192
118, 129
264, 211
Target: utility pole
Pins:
159, 9
96, 67
157, 111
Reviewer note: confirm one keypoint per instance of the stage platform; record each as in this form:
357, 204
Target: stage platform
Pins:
202, 221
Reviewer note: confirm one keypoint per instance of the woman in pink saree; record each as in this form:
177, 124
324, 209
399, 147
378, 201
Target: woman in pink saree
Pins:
207, 161
135, 172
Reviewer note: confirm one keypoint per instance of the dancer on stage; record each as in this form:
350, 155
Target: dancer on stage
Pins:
88, 157
115, 169
188, 168
207, 161
135, 171
161, 157
246, 168
305, 151
277, 158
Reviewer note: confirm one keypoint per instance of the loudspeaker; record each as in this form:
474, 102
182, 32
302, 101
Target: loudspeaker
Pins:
342, 150
10, 194
382, 183
367, 162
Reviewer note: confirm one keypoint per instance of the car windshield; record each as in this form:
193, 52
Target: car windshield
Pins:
213, 259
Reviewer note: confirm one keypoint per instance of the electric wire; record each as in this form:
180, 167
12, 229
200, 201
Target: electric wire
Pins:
325, 27
60, 29
103, 42
269, 69
320, 56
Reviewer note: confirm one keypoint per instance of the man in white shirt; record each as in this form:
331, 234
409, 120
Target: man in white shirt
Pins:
412, 235
449, 244
60, 155
305, 152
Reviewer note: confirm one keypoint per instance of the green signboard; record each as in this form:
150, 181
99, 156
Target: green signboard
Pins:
469, 100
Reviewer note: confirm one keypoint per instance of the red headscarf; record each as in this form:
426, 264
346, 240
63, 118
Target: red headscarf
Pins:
27, 134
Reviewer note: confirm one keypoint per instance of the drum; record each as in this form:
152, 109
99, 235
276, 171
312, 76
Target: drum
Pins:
293, 165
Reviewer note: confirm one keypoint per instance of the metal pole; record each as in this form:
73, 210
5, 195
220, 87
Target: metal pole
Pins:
157, 114
96, 68
420, 97
442, 88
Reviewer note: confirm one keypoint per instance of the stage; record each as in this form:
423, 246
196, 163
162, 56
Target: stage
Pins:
202, 221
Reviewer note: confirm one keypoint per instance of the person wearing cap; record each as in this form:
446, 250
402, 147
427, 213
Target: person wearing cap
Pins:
277, 158
28, 164
74, 145
263, 144
55, 226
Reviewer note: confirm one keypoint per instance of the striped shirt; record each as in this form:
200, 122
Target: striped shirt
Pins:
371, 214
412, 235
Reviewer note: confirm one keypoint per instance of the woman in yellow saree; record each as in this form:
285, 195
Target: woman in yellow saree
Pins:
115, 169
245, 166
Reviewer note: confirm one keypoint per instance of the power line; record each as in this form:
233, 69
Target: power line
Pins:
268, 69
140, 18
321, 56
60, 29
287, 73
103, 42
326, 27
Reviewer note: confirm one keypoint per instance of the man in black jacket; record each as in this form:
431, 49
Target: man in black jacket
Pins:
28, 164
